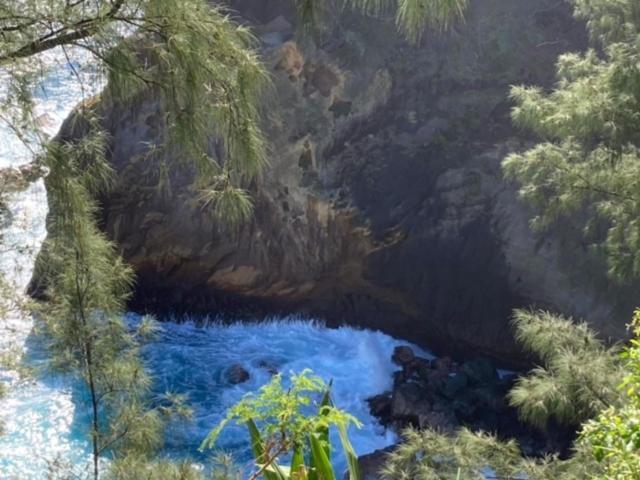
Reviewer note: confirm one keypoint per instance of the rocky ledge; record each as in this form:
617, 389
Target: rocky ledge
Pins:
445, 395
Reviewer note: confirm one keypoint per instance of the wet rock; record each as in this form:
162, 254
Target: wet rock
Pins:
443, 365
403, 356
480, 371
421, 368
435, 378
236, 374
408, 402
438, 421
380, 407
443, 395
454, 384
270, 367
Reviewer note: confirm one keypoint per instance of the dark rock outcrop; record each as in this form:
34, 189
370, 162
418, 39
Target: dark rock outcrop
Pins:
383, 205
16, 179
236, 374
445, 395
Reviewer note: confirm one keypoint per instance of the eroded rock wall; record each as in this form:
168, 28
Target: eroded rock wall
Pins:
383, 205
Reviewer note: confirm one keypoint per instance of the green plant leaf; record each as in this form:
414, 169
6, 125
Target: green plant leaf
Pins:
298, 470
323, 431
273, 471
210, 440
350, 454
319, 460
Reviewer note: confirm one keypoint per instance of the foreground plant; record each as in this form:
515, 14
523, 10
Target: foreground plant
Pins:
614, 436
576, 381
292, 420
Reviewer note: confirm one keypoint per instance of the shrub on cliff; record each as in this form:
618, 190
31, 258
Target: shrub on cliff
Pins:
587, 165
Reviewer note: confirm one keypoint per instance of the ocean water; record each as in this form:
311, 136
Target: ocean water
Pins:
46, 419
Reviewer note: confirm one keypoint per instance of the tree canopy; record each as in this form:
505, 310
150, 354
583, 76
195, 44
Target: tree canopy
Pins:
588, 163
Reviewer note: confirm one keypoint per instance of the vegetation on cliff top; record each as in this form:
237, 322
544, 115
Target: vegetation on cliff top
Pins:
587, 165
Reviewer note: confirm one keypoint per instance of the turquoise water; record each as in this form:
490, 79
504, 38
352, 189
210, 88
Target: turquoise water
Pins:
46, 419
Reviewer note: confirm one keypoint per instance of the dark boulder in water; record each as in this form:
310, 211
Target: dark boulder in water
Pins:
443, 395
403, 356
236, 374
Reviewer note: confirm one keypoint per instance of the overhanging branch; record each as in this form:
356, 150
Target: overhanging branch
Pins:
65, 36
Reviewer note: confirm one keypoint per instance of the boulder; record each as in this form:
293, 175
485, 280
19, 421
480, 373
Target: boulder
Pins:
380, 407
454, 384
480, 371
438, 420
269, 366
236, 374
403, 356
408, 402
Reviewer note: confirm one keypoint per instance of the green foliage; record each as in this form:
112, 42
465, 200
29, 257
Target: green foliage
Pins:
88, 285
578, 381
614, 436
201, 66
431, 455
412, 16
292, 420
587, 164
578, 376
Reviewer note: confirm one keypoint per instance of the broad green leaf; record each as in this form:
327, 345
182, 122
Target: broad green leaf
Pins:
350, 454
319, 460
273, 471
256, 440
297, 464
323, 432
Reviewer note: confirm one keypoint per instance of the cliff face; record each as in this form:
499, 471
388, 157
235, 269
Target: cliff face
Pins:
383, 205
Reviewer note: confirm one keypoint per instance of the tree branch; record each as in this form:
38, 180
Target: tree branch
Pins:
66, 35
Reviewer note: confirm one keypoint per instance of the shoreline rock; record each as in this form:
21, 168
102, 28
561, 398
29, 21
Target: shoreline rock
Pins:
445, 395
236, 374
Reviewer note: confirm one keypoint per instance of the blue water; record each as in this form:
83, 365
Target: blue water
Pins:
50, 415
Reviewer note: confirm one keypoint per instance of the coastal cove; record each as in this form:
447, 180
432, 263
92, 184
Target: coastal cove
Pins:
319, 240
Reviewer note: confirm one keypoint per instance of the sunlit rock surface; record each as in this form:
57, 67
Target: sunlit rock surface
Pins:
383, 205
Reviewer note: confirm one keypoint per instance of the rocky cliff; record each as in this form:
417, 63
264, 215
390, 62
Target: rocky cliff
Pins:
383, 205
